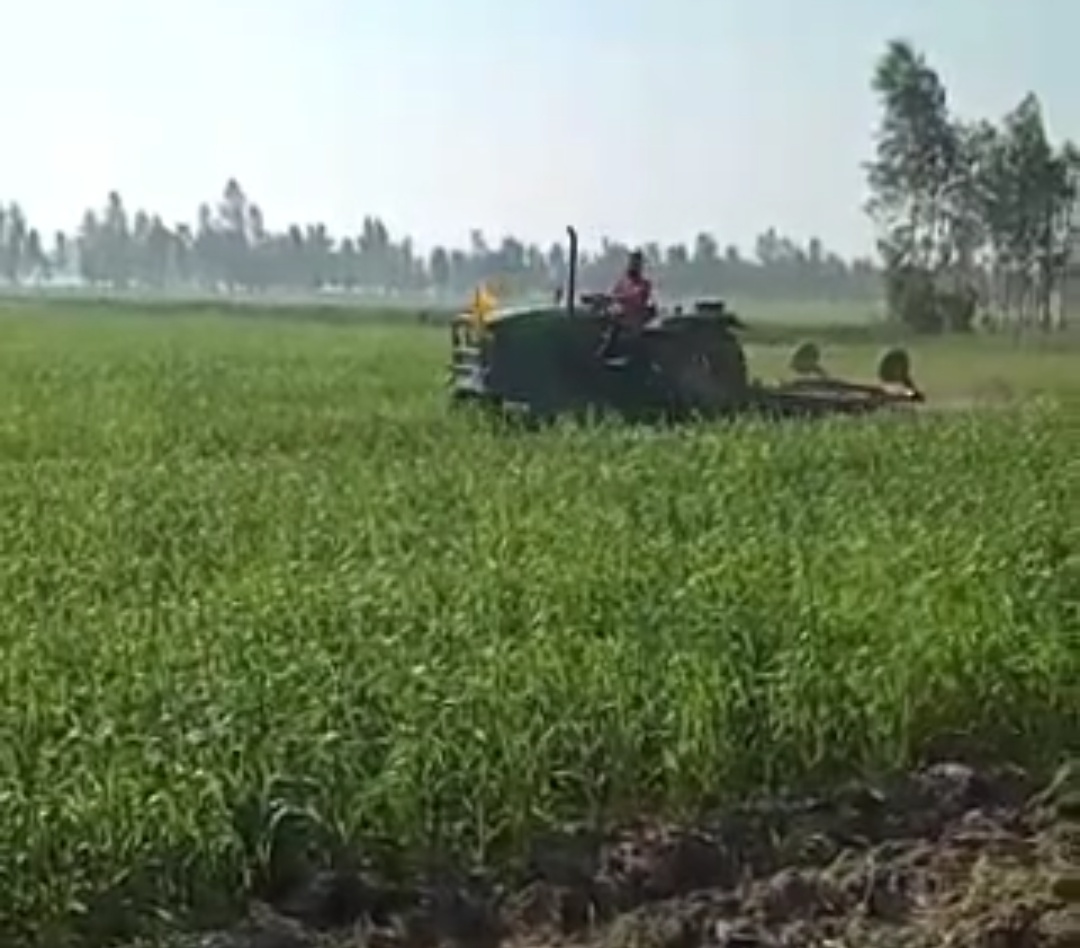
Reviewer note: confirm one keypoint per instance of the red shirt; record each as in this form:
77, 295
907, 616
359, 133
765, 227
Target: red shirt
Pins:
632, 292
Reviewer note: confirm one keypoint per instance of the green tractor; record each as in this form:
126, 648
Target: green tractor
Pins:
545, 362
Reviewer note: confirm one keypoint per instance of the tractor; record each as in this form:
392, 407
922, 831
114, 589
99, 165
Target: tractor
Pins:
548, 361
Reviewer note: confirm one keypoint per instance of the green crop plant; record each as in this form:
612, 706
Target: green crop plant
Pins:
255, 578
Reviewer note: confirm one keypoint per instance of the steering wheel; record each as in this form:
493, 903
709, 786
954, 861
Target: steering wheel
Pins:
598, 302
605, 305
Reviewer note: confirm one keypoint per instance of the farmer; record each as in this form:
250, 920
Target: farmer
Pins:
633, 290
632, 299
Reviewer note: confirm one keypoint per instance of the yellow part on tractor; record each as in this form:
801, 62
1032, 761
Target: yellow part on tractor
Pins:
482, 306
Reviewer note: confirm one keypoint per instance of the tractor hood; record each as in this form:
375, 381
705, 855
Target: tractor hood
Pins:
517, 318
505, 314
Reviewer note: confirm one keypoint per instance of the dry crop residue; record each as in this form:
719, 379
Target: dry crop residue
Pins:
947, 856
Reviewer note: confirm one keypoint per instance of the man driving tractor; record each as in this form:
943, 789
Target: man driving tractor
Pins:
633, 290
632, 302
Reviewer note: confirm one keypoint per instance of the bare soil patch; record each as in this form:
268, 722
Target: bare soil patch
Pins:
949, 855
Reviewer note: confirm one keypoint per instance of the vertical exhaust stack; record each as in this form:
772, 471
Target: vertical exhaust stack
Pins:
571, 275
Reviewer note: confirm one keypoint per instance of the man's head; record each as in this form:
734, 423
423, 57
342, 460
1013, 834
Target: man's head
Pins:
635, 263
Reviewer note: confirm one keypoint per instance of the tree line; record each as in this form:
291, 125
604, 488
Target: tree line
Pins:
972, 217
229, 248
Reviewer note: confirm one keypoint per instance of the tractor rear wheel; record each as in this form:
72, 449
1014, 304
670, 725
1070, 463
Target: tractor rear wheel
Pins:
709, 370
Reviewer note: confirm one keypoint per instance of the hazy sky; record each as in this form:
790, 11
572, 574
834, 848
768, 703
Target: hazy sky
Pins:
637, 118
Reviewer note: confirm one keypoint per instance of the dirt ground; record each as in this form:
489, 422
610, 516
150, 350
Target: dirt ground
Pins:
946, 856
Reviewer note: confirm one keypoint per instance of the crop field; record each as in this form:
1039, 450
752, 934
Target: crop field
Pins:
258, 587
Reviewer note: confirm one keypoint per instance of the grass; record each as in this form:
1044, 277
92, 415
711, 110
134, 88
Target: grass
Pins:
254, 568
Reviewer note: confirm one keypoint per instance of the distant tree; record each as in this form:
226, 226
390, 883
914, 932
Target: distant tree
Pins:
1068, 226
15, 232
966, 210
116, 243
231, 245
207, 249
1039, 197
61, 255
37, 261
158, 253
183, 254
91, 260
913, 180
1025, 190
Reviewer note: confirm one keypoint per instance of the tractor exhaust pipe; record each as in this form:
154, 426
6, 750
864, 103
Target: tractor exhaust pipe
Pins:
571, 273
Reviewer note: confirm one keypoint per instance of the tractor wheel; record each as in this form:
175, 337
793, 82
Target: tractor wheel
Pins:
806, 360
894, 368
709, 371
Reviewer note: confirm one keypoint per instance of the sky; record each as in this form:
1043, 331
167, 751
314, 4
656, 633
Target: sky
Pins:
638, 119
